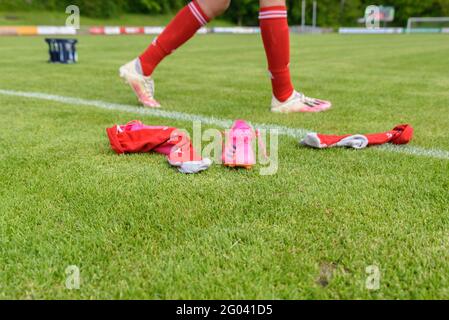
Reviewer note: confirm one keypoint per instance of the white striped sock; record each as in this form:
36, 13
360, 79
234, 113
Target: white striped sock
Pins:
262, 13
272, 14
197, 14
272, 17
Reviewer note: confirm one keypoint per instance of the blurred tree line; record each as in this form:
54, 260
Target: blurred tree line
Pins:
331, 13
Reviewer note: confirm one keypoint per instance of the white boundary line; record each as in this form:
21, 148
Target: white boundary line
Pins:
224, 123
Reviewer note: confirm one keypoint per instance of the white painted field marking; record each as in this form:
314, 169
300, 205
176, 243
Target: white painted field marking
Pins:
224, 123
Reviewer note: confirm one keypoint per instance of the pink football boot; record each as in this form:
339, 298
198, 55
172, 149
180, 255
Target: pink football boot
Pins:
238, 148
142, 86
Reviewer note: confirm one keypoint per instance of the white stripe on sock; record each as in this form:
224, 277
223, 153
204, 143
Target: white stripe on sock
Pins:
204, 19
272, 13
197, 14
262, 13
272, 16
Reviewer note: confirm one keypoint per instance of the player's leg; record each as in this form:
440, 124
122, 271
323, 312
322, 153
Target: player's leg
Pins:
183, 27
276, 39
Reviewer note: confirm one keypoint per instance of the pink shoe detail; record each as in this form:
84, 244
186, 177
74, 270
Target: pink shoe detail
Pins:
238, 150
143, 98
317, 106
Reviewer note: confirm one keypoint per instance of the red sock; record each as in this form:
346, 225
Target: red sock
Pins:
181, 28
276, 39
401, 134
135, 137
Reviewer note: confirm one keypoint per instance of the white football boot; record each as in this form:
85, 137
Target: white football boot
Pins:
142, 86
298, 102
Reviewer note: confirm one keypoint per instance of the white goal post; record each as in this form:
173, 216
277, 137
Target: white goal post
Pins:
424, 19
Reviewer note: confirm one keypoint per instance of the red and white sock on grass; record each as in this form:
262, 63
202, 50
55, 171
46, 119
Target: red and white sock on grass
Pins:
178, 31
401, 134
135, 137
276, 39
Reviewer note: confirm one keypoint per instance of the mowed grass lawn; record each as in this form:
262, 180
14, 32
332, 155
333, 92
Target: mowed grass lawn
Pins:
138, 229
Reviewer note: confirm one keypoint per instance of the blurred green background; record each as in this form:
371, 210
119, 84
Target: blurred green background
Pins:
331, 13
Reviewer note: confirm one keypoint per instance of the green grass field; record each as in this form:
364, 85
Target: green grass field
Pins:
138, 229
